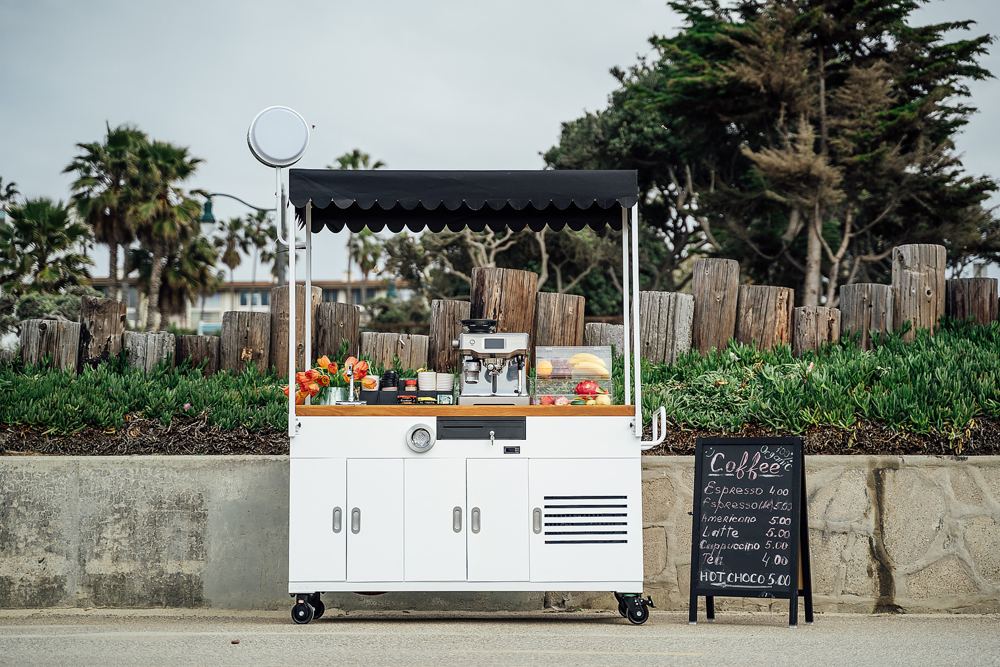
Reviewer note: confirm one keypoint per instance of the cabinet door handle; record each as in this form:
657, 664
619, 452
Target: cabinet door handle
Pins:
456, 519
474, 522
355, 520
338, 519
536, 520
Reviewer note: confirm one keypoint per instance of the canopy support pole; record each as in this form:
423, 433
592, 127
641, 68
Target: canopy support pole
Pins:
307, 301
636, 354
289, 229
626, 357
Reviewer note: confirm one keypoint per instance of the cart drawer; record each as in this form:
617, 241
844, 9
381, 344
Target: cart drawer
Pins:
478, 428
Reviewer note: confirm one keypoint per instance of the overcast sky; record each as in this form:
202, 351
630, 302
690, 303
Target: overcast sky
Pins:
438, 84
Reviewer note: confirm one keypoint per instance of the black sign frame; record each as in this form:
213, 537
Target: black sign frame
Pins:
799, 566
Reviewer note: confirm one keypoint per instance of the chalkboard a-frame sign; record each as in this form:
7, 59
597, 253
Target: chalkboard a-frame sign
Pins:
750, 530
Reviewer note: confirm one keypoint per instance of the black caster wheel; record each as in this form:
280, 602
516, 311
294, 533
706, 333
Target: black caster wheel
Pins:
622, 609
302, 612
317, 604
637, 609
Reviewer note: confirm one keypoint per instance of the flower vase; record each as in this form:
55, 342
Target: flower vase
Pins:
335, 394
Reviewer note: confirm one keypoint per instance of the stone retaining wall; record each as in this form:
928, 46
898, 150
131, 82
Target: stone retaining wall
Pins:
914, 534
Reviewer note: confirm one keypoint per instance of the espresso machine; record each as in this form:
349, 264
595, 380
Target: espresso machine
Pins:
493, 365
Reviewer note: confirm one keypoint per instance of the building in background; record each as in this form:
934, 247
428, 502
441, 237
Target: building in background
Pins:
205, 317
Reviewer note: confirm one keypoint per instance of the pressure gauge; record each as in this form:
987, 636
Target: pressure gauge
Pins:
420, 438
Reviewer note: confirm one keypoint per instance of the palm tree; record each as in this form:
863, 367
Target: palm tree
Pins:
232, 243
42, 248
188, 273
167, 217
107, 176
8, 193
257, 228
366, 250
353, 160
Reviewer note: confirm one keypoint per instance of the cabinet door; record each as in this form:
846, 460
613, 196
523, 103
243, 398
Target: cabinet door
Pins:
434, 543
374, 519
499, 520
589, 520
317, 520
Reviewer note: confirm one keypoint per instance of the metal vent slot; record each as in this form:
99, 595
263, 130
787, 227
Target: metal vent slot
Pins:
588, 527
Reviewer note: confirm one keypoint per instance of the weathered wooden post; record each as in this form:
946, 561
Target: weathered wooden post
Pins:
559, 319
666, 325
814, 326
714, 286
57, 340
246, 340
334, 324
505, 295
602, 333
865, 308
445, 325
381, 348
764, 315
198, 350
146, 350
918, 287
279, 327
972, 299
102, 323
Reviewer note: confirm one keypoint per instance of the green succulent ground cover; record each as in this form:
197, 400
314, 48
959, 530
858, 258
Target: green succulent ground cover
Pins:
936, 385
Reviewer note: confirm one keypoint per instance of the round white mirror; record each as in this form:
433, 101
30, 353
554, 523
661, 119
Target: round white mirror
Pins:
278, 136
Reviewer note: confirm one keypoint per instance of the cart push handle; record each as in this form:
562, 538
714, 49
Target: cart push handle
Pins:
631, 329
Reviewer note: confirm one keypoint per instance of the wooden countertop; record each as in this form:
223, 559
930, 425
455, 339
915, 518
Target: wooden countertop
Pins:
465, 410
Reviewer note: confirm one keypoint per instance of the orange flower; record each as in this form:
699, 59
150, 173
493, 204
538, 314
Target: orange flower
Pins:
312, 374
332, 368
324, 380
300, 377
360, 369
323, 362
300, 397
313, 388
285, 390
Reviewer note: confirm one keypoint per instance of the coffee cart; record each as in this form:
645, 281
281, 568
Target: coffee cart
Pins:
468, 497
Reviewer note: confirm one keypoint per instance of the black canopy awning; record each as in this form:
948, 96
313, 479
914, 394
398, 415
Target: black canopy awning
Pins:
454, 200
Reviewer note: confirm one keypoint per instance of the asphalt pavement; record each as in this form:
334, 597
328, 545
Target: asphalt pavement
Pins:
203, 637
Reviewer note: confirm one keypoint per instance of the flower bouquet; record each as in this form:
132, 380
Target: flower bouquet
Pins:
320, 382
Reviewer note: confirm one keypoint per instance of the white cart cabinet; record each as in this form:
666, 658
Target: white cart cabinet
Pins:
317, 520
375, 519
435, 519
498, 519
586, 520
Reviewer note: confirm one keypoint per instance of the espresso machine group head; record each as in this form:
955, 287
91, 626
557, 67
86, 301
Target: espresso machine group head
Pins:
493, 365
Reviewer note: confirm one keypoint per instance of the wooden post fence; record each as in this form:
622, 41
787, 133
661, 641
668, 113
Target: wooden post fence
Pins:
279, 327
334, 324
764, 315
445, 325
665, 332
246, 340
814, 326
559, 319
972, 299
146, 350
865, 308
714, 285
102, 323
57, 340
382, 348
602, 333
198, 350
918, 287
505, 295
